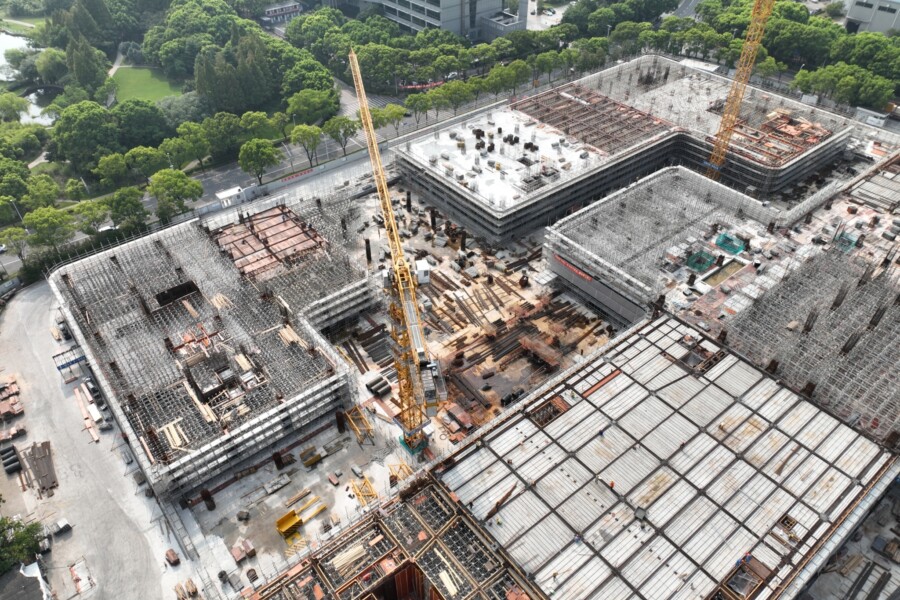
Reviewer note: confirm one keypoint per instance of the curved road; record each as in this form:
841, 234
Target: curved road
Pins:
113, 530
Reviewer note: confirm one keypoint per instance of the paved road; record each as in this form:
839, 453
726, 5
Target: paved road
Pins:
113, 529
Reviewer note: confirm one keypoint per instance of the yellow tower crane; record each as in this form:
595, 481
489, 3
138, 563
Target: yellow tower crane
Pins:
418, 378
732, 112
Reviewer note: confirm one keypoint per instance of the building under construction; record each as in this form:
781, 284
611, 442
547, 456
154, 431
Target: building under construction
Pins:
613, 252
662, 466
831, 328
204, 343
505, 172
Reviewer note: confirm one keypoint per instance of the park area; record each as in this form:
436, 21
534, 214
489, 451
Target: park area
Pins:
144, 84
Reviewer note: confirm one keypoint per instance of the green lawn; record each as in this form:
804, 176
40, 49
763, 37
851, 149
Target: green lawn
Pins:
143, 83
15, 27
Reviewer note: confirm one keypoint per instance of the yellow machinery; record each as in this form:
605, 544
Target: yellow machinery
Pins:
420, 387
732, 112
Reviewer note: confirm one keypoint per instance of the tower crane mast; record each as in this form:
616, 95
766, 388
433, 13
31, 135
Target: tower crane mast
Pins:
418, 379
732, 112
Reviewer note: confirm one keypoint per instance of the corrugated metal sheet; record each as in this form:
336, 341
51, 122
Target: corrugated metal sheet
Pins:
760, 465
481, 464
649, 490
585, 429
512, 435
711, 466
644, 417
615, 589
646, 561
730, 481
540, 544
581, 584
624, 401
667, 438
670, 503
547, 458
601, 451
630, 469
629, 540
818, 430
690, 520
738, 379
667, 376
706, 406
570, 419
562, 481
517, 517
610, 390
561, 567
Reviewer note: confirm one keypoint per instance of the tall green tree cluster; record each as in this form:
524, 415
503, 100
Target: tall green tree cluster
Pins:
86, 132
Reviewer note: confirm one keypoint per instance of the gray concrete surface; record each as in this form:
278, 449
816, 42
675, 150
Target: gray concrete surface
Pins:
116, 530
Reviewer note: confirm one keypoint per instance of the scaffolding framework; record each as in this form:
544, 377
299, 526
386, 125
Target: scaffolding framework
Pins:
831, 327
206, 363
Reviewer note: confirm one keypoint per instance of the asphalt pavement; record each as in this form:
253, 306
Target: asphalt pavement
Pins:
115, 534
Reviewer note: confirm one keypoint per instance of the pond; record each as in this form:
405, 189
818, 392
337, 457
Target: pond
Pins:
8, 42
37, 100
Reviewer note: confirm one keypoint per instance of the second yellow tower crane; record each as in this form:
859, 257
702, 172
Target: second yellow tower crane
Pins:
418, 377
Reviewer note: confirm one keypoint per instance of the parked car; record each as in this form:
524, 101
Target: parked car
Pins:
92, 388
172, 557
2, 248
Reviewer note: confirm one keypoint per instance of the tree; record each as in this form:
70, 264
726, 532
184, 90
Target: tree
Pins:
21, 542
257, 156
146, 161
86, 64
13, 177
112, 170
91, 214
196, 142
51, 227
393, 114
74, 190
141, 123
769, 67
126, 210
520, 73
172, 190
176, 150
418, 104
254, 123
547, 62
51, 65
181, 109
311, 106
15, 239
83, 133
281, 122
308, 136
42, 191
341, 129
457, 93
835, 9
439, 100
12, 106
222, 132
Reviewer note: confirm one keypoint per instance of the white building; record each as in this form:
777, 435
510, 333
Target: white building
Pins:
474, 19
873, 15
